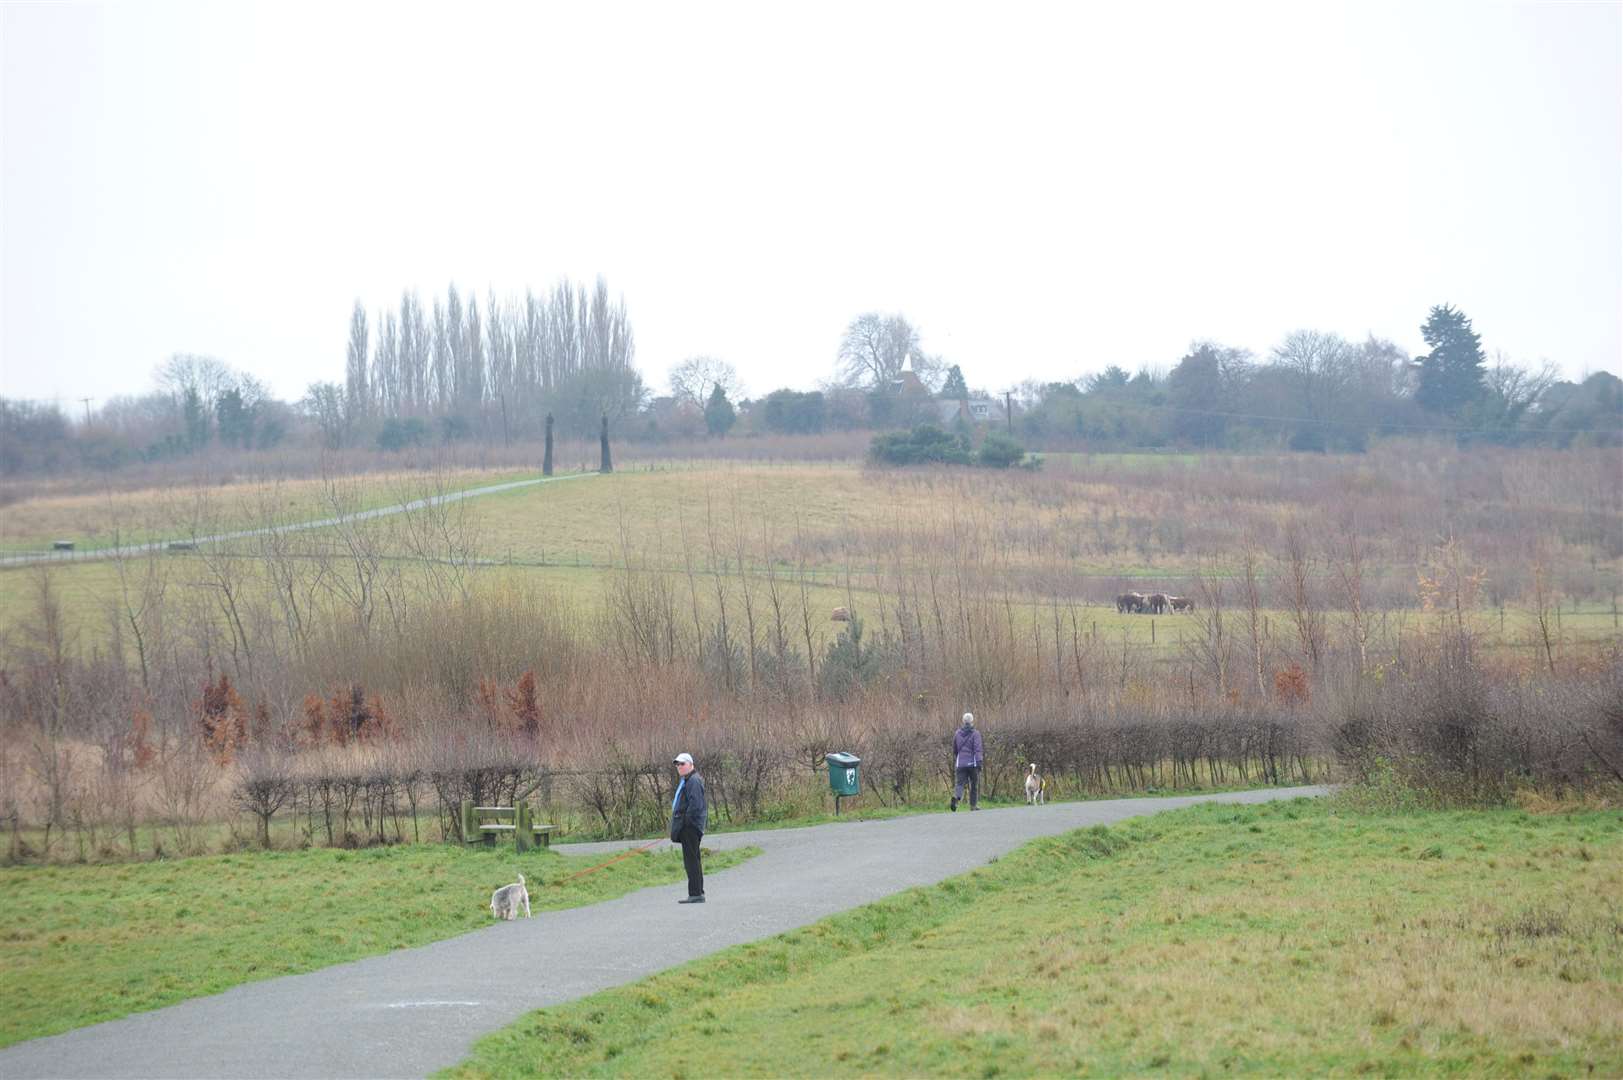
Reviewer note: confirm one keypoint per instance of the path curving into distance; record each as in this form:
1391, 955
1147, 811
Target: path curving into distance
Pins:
413, 1011
132, 550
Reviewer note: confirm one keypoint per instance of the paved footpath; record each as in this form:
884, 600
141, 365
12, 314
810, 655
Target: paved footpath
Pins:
413, 1011
130, 551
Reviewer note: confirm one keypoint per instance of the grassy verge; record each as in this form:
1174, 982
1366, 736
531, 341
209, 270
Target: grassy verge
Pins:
815, 806
83, 944
1287, 939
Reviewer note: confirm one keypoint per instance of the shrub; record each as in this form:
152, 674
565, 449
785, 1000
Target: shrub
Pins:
399, 434
924, 445
1000, 452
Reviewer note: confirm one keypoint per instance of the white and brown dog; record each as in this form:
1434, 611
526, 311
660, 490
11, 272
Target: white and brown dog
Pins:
1036, 787
504, 901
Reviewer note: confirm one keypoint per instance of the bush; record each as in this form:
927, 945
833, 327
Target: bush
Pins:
1441, 732
399, 434
1000, 452
789, 412
924, 445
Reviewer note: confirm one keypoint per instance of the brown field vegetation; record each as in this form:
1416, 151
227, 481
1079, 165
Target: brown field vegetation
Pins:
1419, 613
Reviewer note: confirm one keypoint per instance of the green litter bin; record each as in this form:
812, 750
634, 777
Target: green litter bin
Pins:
843, 776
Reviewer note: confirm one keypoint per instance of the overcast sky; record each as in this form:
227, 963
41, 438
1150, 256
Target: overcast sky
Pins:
1043, 190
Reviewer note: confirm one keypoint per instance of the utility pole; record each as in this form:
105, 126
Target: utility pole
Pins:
87, 401
1008, 409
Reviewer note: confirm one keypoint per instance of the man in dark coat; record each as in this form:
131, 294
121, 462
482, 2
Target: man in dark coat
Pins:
689, 816
966, 763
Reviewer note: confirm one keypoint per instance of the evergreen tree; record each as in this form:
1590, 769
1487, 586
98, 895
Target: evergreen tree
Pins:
607, 465
955, 389
235, 419
719, 416
195, 414
546, 462
1451, 374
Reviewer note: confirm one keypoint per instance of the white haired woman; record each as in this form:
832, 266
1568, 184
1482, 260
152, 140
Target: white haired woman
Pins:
967, 753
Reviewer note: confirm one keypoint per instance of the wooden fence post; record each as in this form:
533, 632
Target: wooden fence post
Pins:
523, 838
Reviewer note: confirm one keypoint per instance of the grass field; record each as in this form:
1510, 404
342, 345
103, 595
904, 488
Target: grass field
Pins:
87, 593
1072, 534
96, 521
83, 944
1287, 939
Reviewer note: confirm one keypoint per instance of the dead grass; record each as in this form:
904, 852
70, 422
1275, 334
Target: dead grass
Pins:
94, 519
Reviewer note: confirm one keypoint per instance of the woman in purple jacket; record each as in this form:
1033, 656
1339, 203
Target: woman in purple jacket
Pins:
966, 763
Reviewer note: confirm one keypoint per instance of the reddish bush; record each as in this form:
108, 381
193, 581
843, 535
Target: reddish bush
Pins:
314, 729
220, 719
1291, 687
142, 752
352, 718
526, 709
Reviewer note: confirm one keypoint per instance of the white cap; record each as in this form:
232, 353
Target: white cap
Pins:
969, 718
682, 759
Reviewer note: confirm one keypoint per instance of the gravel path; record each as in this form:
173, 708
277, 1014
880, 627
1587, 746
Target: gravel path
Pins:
413, 1011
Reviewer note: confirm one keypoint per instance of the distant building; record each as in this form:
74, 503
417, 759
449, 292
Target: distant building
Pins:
973, 411
907, 382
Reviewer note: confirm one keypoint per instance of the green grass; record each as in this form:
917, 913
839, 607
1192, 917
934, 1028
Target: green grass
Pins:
83, 944
816, 805
1289, 939
96, 522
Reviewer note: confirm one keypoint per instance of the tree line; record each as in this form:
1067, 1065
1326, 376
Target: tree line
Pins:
568, 351
455, 369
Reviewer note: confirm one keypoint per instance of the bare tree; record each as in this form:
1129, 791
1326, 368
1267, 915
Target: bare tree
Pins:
440, 531
386, 366
357, 388
1544, 598
876, 346
141, 588
294, 568
1318, 367
1212, 646
324, 403
1350, 556
205, 376
1301, 602
1513, 390
1250, 585
359, 552
264, 786
696, 378
414, 349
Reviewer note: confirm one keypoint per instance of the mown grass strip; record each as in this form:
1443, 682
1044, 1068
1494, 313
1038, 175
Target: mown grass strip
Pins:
83, 944
1285, 939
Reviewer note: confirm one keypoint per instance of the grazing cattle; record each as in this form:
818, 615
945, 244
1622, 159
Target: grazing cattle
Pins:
1157, 603
1181, 603
1130, 601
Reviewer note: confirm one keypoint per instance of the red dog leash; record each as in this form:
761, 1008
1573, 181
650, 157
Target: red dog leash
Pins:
617, 858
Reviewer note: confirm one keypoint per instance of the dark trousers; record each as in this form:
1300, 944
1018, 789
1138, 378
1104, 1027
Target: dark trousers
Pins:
690, 859
967, 774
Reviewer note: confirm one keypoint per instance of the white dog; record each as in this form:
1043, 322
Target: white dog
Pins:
1036, 787
504, 901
